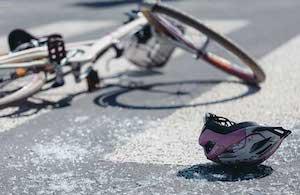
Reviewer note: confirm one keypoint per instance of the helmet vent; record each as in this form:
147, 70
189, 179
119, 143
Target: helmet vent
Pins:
259, 144
265, 149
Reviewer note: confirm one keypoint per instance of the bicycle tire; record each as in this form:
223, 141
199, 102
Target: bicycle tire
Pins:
257, 76
33, 86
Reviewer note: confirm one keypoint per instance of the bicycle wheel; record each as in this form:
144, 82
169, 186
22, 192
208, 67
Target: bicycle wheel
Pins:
13, 89
193, 36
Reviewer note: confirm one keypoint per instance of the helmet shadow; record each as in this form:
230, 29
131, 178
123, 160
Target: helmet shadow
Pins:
216, 172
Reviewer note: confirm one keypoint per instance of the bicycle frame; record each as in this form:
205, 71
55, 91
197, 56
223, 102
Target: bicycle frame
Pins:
91, 50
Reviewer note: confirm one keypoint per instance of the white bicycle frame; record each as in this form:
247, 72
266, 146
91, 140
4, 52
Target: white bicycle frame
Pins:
87, 51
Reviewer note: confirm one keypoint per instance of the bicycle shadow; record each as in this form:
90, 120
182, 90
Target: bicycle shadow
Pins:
216, 172
105, 4
111, 93
34, 105
111, 98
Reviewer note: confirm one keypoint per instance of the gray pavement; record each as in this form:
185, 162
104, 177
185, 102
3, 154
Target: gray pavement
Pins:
120, 140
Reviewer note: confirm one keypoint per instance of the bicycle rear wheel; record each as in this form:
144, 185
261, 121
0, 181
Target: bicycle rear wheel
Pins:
14, 89
191, 35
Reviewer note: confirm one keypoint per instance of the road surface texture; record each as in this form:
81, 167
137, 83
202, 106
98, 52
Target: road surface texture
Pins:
143, 140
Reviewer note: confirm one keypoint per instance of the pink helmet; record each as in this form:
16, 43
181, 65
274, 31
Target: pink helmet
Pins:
228, 142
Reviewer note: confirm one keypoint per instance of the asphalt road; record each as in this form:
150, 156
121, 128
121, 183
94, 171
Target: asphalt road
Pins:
121, 140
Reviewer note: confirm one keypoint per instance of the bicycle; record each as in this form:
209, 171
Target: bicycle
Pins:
32, 61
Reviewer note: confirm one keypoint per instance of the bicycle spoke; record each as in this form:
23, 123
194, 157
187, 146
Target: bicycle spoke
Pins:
196, 38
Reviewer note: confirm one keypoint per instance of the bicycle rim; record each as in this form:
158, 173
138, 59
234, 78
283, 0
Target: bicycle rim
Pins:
16, 89
189, 34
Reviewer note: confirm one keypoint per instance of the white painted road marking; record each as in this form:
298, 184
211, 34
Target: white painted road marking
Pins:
117, 66
175, 138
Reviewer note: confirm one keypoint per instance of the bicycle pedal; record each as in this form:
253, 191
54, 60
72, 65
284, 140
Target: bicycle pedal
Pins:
56, 48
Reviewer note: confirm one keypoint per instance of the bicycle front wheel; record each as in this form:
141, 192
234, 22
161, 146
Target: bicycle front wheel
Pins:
193, 36
14, 89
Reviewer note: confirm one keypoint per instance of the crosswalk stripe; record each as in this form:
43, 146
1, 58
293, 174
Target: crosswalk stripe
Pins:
174, 140
116, 66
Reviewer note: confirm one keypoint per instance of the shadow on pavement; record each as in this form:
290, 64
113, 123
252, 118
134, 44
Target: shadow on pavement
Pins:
178, 91
34, 105
106, 3
111, 98
215, 172
30, 107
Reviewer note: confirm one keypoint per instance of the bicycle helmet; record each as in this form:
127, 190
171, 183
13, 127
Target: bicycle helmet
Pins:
227, 142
